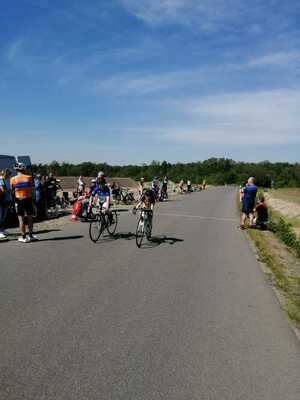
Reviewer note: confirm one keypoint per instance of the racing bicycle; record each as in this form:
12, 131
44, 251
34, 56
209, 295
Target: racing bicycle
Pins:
103, 221
144, 226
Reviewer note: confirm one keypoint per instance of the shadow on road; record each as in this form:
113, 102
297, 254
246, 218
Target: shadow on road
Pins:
38, 232
159, 240
60, 238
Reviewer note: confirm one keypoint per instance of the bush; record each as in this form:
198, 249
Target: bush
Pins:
285, 232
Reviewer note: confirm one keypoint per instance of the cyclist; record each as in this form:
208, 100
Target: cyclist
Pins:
146, 203
22, 188
164, 189
147, 200
155, 187
141, 186
101, 195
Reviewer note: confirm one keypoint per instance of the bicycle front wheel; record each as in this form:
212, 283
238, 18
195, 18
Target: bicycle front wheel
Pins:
112, 225
140, 232
96, 228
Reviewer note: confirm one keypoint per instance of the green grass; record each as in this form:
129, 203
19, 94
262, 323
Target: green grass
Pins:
286, 283
291, 195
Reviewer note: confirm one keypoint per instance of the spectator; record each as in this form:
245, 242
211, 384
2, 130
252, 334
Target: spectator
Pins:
261, 214
115, 190
248, 203
39, 196
180, 186
141, 186
5, 200
80, 186
22, 188
50, 189
189, 185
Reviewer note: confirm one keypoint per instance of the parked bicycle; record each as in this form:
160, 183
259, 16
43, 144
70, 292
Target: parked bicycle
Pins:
125, 196
144, 226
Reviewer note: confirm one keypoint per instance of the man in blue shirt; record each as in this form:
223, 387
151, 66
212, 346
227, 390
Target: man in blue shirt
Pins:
248, 202
100, 195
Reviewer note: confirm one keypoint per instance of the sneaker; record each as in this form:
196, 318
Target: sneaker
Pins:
22, 240
32, 238
3, 235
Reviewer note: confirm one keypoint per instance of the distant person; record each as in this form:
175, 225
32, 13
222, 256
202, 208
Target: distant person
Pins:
51, 186
22, 189
39, 196
5, 201
164, 188
242, 187
204, 184
141, 186
80, 186
261, 214
155, 187
115, 190
180, 186
248, 203
189, 185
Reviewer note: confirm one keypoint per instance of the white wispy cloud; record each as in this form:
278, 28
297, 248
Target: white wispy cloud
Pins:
282, 58
156, 12
147, 83
261, 118
208, 15
14, 49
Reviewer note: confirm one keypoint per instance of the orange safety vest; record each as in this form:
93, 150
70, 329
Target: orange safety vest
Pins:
22, 186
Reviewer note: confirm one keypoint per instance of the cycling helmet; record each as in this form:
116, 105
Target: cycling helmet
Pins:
148, 192
20, 166
100, 174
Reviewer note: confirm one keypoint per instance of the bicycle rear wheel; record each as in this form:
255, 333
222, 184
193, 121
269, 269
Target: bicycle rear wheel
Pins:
140, 232
112, 226
148, 230
97, 226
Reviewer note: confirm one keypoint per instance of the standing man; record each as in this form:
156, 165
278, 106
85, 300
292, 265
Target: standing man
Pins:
80, 186
4, 201
248, 201
22, 188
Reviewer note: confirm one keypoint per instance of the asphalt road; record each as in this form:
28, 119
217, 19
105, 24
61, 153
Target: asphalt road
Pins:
190, 316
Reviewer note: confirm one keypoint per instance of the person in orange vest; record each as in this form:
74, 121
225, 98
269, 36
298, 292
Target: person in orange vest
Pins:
22, 189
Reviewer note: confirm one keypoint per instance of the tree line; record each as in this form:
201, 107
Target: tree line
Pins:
216, 171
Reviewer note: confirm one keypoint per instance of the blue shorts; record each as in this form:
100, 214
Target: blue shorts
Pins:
248, 208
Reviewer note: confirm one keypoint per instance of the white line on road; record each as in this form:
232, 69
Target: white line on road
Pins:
199, 217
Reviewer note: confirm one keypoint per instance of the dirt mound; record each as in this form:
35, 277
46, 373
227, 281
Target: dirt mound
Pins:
68, 183
287, 209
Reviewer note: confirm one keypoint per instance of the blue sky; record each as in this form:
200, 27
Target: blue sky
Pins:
130, 81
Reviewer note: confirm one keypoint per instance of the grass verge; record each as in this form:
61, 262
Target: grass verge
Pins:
281, 276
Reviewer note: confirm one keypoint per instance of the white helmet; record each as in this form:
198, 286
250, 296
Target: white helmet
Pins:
100, 174
20, 166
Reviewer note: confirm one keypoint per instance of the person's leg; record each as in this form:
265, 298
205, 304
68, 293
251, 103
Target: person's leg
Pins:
2, 218
243, 220
251, 219
22, 226
30, 224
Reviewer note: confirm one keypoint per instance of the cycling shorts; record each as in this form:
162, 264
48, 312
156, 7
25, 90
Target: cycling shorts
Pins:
24, 207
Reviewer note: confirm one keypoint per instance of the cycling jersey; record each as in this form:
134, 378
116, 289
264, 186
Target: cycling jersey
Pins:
22, 186
147, 201
101, 192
